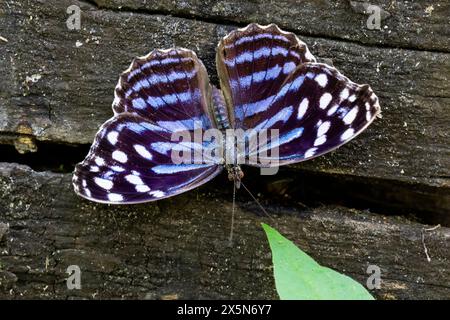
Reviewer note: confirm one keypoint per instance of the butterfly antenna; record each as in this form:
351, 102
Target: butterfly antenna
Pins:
233, 209
257, 202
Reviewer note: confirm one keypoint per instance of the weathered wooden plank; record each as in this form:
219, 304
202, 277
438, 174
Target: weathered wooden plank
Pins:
76, 71
425, 203
179, 246
417, 24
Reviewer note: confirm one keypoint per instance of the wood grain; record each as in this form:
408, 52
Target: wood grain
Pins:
180, 246
57, 87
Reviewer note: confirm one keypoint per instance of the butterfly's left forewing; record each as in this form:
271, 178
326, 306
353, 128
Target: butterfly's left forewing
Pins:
130, 161
169, 87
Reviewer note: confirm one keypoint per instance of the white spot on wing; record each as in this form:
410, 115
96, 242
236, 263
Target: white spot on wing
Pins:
347, 134
302, 108
99, 161
142, 188
118, 169
325, 100
323, 128
112, 137
351, 115
142, 151
310, 152
322, 79
157, 194
103, 183
115, 197
119, 156
344, 94
320, 140
332, 110
131, 178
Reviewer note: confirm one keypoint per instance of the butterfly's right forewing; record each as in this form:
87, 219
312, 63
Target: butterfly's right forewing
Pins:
296, 108
252, 64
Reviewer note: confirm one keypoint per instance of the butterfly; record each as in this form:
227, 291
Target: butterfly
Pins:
269, 80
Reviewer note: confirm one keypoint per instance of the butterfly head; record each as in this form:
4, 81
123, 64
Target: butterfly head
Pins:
235, 174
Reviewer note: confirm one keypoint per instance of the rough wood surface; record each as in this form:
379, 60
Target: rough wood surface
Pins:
57, 87
408, 24
73, 95
179, 247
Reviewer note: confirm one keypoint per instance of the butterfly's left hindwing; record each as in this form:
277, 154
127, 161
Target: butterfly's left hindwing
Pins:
130, 162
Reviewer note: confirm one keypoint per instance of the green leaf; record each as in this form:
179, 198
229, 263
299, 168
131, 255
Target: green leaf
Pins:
299, 277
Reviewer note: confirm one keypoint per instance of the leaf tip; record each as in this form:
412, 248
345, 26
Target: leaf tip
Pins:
266, 227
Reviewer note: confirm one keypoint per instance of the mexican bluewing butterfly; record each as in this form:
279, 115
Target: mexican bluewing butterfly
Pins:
269, 80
